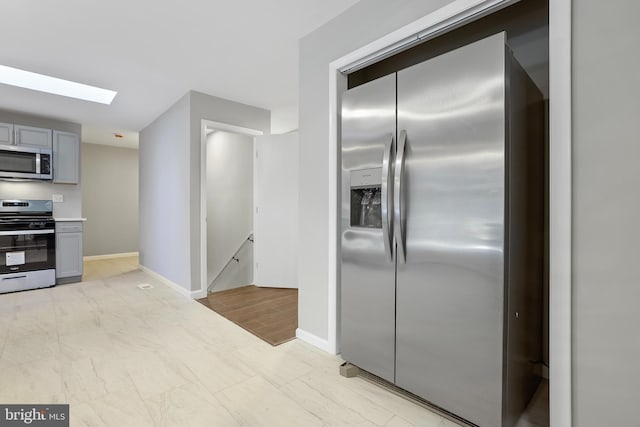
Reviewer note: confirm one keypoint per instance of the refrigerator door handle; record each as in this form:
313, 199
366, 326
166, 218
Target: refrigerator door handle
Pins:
398, 198
386, 197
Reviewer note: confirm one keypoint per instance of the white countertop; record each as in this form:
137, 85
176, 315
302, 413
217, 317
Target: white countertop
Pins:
69, 219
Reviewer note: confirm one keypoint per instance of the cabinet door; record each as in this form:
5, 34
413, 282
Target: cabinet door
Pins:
66, 158
68, 255
29, 136
6, 133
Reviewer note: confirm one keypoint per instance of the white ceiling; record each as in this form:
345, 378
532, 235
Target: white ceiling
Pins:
153, 52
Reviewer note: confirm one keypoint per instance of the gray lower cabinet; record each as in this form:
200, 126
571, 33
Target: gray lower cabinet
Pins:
68, 252
66, 158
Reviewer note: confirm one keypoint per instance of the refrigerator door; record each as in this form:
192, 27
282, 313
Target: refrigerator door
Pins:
450, 291
368, 268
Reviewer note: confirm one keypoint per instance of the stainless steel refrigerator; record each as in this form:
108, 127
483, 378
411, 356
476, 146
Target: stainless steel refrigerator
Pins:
442, 231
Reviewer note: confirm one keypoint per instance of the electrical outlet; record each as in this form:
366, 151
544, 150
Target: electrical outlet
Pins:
57, 198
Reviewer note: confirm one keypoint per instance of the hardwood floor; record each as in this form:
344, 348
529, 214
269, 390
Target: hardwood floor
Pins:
269, 313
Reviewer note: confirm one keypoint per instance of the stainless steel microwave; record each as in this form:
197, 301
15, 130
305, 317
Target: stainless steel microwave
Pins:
25, 162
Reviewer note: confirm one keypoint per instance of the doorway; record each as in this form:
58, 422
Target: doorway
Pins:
218, 138
249, 199
229, 160
109, 177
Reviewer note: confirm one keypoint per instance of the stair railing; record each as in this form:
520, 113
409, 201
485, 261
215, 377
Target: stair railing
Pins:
234, 257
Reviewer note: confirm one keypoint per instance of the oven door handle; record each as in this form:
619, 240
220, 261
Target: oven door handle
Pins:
15, 277
24, 232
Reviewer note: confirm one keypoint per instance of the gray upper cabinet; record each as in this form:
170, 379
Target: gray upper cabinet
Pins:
66, 158
30, 136
6, 133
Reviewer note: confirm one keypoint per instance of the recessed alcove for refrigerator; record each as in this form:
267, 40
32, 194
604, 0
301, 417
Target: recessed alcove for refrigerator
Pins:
444, 300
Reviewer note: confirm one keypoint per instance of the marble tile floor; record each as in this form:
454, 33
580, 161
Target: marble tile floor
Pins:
123, 356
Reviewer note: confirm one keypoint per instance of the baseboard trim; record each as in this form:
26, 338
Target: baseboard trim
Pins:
173, 285
314, 340
109, 256
198, 294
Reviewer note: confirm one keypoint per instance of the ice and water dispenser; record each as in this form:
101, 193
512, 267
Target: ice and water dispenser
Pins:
366, 192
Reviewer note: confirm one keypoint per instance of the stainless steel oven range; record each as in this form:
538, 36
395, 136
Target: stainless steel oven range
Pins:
27, 245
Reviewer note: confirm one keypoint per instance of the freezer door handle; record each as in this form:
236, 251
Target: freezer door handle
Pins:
398, 198
386, 197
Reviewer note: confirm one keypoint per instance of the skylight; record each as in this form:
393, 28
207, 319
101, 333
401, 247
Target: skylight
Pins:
40, 82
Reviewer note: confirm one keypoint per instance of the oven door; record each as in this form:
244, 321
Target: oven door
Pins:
27, 250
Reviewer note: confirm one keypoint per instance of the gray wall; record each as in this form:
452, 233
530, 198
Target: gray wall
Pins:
606, 209
72, 193
170, 153
223, 111
363, 23
164, 195
109, 199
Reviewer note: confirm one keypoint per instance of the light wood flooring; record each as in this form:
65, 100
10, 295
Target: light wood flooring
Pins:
269, 313
103, 268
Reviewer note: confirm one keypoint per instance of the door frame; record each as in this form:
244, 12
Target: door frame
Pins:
451, 16
204, 125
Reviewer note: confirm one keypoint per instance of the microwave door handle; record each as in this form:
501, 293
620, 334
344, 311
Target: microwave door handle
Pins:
38, 163
386, 196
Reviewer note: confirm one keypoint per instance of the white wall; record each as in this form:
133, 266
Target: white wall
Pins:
170, 155
72, 193
606, 209
284, 120
359, 25
276, 219
109, 199
229, 207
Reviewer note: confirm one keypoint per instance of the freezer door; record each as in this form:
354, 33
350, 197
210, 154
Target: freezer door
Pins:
450, 291
368, 269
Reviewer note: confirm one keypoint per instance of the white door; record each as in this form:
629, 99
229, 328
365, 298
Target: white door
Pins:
276, 211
